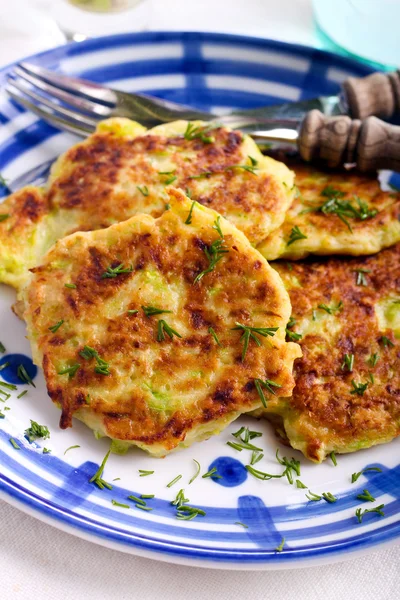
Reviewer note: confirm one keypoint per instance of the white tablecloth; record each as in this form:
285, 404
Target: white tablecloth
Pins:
37, 560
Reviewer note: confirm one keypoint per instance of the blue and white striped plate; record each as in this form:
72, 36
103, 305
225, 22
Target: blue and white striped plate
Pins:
216, 72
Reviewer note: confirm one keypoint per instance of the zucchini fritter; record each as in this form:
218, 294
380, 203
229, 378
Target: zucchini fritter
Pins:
335, 213
122, 170
150, 345
23, 234
347, 393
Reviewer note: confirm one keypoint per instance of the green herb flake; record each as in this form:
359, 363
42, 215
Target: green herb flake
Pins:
373, 359
4, 366
241, 524
366, 496
201, 175
24, 376
36, 431
46, 451
187, 513
150, 311
281, 545
148, 508
143, 473
132, 312
300, 484
201, 133
2, 415
14, 444
256, 457
331, 310
251, 168
293, 336
71, 286
212, 473
163, 328
249, 333
70, 371
2, 348
97, 477
112, 272
329, 497
234, 446
244, 436
291, 465
356, 476
71, 448
4, 217
387, 343
358, 388
214, 253
57, 326
171, 483
344, 209
295, 235
332, 456
198, 468
348, 362
143, 189
217, 227
189, 217
8, 386
214, 335
313, 497
260, 474
137, 500
361, 279
180, 499
115, 503
147, 496
102, 367
268, 385
361, 513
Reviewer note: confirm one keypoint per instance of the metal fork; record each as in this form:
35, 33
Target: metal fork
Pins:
76, 105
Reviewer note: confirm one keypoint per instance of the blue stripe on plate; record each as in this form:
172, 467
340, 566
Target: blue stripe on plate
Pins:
251, 510
383, 534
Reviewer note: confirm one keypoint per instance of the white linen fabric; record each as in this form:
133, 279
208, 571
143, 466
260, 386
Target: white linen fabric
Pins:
38, 561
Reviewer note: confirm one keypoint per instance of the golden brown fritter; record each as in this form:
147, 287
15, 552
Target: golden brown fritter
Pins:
347, 393
139, 381
22, 234
122, 170
335, 212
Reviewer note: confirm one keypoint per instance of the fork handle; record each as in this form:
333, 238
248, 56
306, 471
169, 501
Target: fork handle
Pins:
377, 94
370, 144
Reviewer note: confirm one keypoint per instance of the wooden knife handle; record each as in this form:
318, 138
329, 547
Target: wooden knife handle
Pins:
371, 144
377, 94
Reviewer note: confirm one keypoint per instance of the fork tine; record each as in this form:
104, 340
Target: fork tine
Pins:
93, 91
57, 109
73, 126
76, 102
